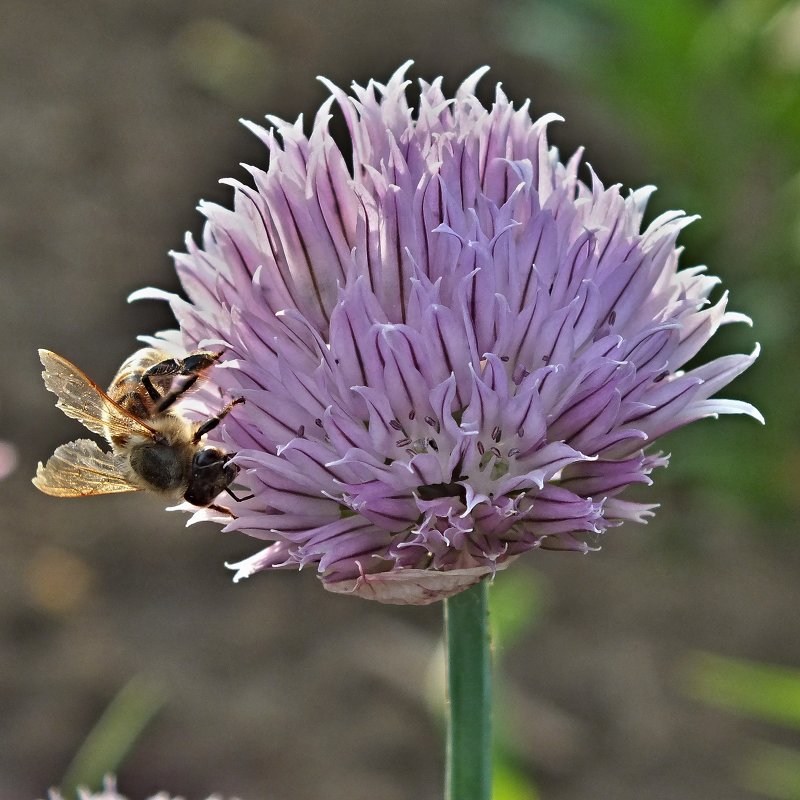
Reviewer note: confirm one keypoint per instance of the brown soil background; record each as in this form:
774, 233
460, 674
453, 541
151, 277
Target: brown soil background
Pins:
111, 128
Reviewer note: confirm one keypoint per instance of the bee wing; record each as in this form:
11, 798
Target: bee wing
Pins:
81, 398
79, 469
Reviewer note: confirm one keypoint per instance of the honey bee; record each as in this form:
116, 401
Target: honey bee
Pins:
152, 447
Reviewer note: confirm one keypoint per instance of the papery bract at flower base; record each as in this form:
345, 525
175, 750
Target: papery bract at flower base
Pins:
452, 349
414, 586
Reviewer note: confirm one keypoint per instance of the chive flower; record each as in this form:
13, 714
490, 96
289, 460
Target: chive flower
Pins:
109, 792
452, 347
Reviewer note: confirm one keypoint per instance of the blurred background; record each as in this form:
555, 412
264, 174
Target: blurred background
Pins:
665, 666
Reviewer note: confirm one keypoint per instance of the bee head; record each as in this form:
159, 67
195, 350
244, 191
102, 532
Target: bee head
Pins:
212, 473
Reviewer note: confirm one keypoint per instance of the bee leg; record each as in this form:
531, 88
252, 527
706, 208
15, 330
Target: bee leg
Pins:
192, 366
212, 423
151, 390
168, 399
221, 510
196, 363
239, 499
168, 367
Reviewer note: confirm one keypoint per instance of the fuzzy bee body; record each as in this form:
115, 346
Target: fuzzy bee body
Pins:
153, 448
127, 388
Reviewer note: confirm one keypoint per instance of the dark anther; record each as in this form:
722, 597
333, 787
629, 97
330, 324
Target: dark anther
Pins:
395, 424
546, 359
497, 434
481, 448
433, 446
660, 377
301, 431
496, 451
403, 442
318, 422
506, 359
612, 317
412, 414
513, 452
521, 432
432, 491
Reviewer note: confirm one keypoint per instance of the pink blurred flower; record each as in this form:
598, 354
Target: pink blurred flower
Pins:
110, 793
8, 459
453, 349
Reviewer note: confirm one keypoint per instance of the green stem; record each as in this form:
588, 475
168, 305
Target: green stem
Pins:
469, 682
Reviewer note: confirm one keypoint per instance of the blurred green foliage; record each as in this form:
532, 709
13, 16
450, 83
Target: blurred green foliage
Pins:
224, 61
516, 604
761, 691
707, 96
114, 735
511, 783
772, 771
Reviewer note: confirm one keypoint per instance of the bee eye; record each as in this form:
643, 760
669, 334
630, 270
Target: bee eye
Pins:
207, 457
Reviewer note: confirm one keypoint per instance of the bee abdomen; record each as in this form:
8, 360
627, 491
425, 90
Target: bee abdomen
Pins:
128, 389
135, 403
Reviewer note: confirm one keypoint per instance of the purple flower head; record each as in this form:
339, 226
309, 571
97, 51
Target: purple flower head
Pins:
452, 349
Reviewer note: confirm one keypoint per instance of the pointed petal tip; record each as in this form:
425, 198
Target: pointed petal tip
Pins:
150, 293
751, 411
258, 130
722, 406
470, 83
403, 68
241, 572
736, 316
328, 84
551, 116
477, 73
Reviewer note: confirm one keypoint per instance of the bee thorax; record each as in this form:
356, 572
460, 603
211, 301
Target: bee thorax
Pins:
162, 468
